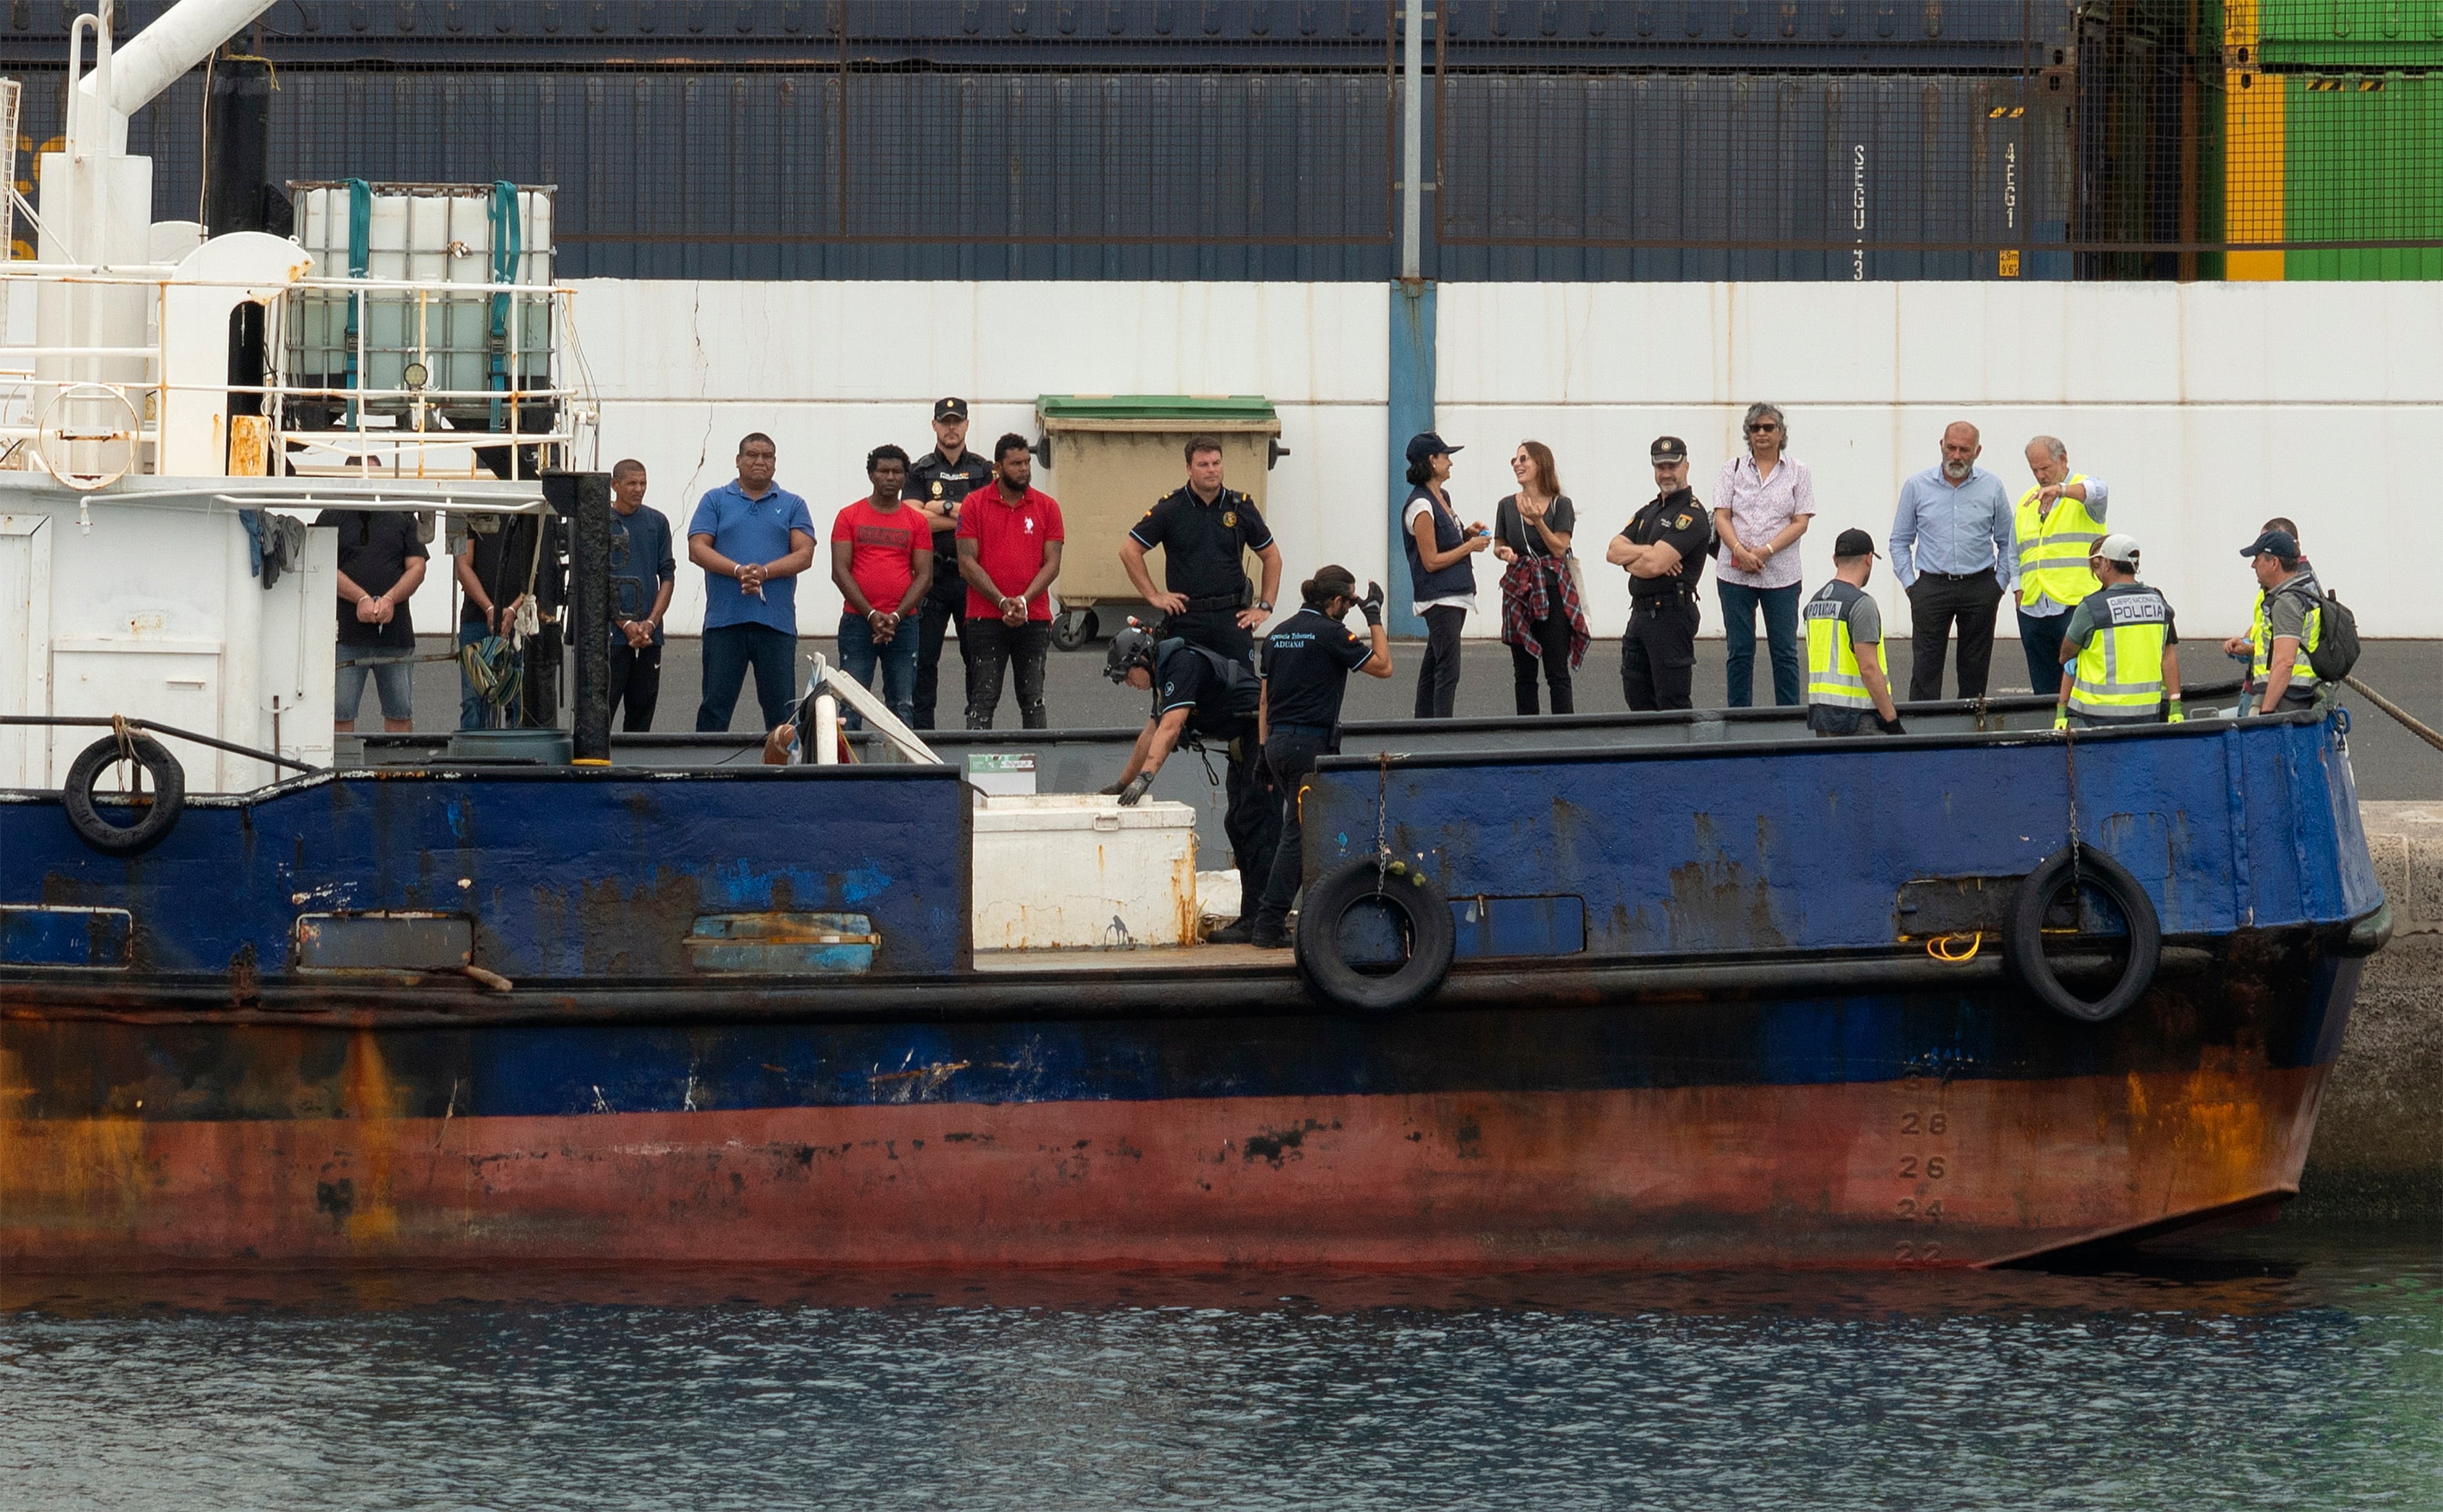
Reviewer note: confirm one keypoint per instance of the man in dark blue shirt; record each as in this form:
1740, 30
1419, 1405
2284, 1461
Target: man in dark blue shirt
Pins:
751, 539
1200, 691
1307, 663
643, 574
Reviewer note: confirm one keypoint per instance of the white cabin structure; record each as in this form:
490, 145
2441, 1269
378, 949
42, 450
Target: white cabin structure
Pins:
131, 458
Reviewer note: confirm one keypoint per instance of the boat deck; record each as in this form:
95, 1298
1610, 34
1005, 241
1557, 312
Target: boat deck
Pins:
1165, 958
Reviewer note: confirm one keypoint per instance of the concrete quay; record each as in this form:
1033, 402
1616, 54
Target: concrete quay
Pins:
2379, 1148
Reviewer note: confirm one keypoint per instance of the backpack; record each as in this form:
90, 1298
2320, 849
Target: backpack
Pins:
2337, 646
1236, 679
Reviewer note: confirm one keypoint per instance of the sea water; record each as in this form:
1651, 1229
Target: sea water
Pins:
2294, 1369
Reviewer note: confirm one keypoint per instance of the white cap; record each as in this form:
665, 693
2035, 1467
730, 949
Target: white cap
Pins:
2123, 549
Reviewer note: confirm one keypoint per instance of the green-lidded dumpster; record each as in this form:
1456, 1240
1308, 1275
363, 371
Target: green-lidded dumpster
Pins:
1111, 455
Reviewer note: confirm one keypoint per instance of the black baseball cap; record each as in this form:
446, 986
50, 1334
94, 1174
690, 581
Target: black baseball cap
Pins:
2280, 542
950, 409
1669, 449
1427, 444
1854, 544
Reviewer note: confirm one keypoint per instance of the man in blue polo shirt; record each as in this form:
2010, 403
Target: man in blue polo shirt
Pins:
752, 539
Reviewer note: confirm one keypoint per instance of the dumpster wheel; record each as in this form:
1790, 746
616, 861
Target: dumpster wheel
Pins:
1074, 629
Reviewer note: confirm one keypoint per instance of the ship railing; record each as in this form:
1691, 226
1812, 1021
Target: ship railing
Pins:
362, 405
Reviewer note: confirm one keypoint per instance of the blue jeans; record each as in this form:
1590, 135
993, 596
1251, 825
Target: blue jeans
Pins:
2040, 636
859, 655
1739, 605
728, 651
471, 703
392, 673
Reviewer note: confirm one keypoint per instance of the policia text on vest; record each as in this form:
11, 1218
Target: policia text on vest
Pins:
2120, 662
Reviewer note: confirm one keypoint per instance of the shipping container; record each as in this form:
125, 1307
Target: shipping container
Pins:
1071, 33
1678, 176
2335, 157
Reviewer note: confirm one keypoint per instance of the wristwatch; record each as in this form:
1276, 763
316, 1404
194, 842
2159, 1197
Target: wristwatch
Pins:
1265, 604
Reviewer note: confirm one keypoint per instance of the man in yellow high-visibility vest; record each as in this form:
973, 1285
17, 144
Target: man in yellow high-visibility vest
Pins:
2285, 629
2121, 655
1847, 685
2056, 524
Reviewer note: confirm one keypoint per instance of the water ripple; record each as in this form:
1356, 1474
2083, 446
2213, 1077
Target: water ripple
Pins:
2308, 1373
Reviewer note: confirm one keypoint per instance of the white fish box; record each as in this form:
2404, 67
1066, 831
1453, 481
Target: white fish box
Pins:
1077, 871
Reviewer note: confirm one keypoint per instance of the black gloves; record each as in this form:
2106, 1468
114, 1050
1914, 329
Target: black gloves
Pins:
1371, 605
1137, 790
1114, 790
1889, 727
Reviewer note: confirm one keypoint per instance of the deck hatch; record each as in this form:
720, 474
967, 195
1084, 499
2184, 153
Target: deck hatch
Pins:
89, 938
384, 942
778, 943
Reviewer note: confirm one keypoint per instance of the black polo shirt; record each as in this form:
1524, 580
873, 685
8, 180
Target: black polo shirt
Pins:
376, 546
1307, 663
935, 481
1679, 520
1201, 542
1185, 677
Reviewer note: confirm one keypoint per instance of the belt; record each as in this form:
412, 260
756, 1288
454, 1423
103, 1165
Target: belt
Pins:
1207, 603
1325, 730
1955, 577
1658, 600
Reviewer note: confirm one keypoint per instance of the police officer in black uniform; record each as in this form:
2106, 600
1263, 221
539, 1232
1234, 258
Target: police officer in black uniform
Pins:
1308, 658
1664, 550
940, 479
1202, 529
1200, 693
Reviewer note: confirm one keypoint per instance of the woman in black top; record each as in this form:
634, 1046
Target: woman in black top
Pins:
1440, 576
1541, 620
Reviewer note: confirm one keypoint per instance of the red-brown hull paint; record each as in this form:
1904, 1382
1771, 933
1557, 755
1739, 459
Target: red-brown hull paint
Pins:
1841, 1174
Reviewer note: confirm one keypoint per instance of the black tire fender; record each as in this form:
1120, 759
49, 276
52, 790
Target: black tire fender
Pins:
1422, 911
155, 818
2023, 945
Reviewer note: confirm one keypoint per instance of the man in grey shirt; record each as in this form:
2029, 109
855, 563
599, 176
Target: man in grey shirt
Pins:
1952, 552
1847, 688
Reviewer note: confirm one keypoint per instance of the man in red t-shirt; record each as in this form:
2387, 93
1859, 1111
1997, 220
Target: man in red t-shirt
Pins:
882, 561
1009, 551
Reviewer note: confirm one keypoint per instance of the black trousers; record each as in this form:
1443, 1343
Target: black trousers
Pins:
636, 682
942, 606
1251, 819
1438, 670
1935, 602
1657, 656
1213, 629
994, 648
1290, 755
1551, 634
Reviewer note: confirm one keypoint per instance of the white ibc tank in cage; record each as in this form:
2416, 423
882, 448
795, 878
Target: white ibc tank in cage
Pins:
448, 233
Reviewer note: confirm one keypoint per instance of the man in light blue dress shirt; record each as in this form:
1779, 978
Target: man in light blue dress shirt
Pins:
1952, 552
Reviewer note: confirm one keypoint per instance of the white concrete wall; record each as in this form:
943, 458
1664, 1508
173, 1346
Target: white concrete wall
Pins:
2207, 407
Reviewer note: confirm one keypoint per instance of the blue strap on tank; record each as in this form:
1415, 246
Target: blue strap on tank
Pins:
361, 247
506, 250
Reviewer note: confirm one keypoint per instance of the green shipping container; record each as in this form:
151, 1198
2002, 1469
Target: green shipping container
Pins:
2345, 34
2364, 161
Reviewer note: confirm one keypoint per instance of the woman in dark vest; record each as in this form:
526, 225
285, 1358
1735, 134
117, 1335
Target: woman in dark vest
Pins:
1440, 576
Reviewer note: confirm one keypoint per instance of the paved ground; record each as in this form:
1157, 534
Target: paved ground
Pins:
2389, 761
